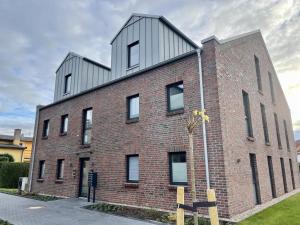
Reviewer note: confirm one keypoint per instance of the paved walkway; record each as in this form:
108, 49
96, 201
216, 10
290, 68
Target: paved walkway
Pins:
24, 211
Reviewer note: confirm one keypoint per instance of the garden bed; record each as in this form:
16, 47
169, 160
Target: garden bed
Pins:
144, 214
34, 196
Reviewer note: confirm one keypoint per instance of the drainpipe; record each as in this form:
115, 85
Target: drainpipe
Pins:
36, 124
203, 124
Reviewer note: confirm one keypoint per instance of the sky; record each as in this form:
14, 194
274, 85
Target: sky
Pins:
36, 35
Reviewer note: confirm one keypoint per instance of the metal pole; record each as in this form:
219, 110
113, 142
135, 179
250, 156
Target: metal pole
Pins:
203, 124
194, 196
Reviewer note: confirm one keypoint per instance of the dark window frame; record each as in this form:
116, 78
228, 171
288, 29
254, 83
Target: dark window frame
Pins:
272, 177
283, 172
84, 128
41, 173
127, 168
286, 135
264, 123
168, 87
62, 124
292, 174
129, 54
258, 73
247, 114
67, 81
128, 107
255, 177
271, 87
45, 132
277, 131
58, 169
171, 167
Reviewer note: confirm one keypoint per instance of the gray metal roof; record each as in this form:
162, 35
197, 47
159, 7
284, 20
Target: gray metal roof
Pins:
84, 58
11, 138
12, 146
164, 20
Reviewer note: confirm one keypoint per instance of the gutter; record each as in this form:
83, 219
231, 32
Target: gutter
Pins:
203, 124
37, 116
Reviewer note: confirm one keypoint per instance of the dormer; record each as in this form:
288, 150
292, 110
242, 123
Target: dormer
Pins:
146, 40
77, 74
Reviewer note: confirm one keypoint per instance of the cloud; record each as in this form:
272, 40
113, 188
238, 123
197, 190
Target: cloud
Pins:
37, 35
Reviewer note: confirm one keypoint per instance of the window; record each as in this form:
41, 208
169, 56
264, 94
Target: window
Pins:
175, 96
264, 122
247, 114
271, 174
292, 174
46, 128
283, 175
178, 168
255, 180
87, 126
64, 124
271, 87
258, 76
286, 135
41, 169
133, 108
277, 131
133, 168
133, 54
60, 169
67, 87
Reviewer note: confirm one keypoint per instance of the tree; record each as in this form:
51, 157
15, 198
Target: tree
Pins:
195, 119
6, 158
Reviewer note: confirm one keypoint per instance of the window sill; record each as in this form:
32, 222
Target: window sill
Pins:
45, 138
175, 112
131, 185
59, 181
40, 180
132, 67
268, 144
85, 146
260, 92
251, 139
173, 187
134, 120
63, 134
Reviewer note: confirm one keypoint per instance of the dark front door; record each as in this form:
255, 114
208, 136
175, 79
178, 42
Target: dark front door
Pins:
83, 181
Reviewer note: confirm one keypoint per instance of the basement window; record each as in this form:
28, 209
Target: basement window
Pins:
41, 169
60, 169
178, 168
133, 54
133, 168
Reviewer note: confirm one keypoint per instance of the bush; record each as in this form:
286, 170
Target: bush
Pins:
10, 173
6, 158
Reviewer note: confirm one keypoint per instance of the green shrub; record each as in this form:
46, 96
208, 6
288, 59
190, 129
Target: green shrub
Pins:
6, 158
10, 173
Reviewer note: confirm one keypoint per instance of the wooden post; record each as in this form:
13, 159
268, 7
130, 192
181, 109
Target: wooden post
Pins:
192, 163
213, 211
180, 200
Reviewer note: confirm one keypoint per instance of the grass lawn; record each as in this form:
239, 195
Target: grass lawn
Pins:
44, 198
286, 212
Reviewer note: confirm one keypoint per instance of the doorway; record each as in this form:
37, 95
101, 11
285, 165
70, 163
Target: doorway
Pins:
83, 179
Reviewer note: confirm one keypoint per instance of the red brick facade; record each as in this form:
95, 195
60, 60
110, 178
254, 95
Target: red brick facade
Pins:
227, 70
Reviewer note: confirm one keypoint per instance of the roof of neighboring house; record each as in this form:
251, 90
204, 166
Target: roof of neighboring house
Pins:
12, 146
11, 138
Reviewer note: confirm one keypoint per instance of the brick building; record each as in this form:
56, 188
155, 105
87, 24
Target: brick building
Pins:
127, 122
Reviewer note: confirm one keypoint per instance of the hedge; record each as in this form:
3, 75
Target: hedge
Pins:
6, 158
10, 173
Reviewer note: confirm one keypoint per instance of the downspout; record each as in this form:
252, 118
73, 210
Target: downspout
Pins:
203, 124
36, 124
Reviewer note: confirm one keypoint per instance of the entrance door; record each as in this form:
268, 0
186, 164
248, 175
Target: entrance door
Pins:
83, 182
